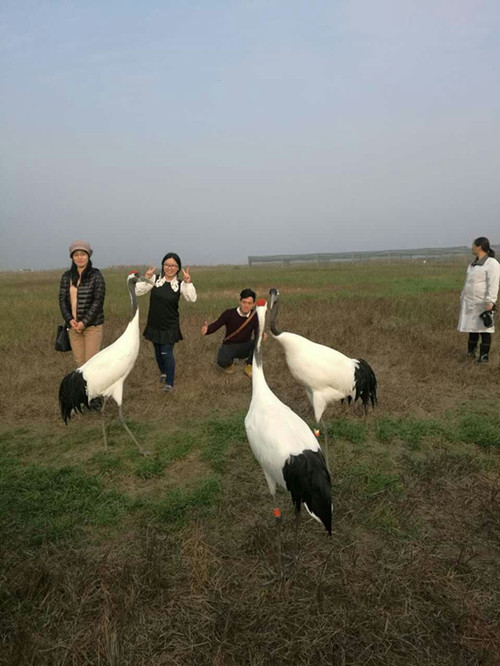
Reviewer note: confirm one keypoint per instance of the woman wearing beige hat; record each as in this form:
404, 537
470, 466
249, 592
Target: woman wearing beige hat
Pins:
81, 300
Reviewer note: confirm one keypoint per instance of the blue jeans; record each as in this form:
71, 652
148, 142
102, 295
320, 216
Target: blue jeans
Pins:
166, 361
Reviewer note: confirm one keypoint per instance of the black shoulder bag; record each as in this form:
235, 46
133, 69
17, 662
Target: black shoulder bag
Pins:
62, 339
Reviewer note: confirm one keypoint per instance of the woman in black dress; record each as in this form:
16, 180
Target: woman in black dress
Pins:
162, 328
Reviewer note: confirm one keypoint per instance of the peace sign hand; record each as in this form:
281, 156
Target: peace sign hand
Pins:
150, 272
186, 275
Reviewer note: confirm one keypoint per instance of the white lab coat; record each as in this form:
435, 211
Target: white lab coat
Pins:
480, 288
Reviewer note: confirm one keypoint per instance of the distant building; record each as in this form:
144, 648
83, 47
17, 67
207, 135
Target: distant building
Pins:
425, 254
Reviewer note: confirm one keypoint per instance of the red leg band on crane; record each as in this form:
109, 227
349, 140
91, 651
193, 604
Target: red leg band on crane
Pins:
277, 513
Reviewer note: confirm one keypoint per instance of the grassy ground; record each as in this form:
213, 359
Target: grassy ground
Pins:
112, 558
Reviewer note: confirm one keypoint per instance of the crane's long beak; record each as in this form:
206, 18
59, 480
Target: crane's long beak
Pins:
274, 295
138, 276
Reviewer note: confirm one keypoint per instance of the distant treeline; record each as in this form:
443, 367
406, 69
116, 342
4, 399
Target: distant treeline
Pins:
423, 253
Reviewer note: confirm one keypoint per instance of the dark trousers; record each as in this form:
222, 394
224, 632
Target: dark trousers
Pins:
485, 345
227, 353
485, 338
166, 361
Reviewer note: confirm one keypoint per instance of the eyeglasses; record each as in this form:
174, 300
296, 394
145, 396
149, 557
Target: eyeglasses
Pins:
170, 266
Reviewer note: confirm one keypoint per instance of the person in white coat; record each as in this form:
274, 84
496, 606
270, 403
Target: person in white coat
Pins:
479, 295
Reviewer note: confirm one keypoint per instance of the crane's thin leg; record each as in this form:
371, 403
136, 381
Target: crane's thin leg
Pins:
277, 514
297, 519
122, 421
103, 424
325, 435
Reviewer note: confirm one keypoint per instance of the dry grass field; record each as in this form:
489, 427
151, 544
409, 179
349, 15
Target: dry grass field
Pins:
115, 559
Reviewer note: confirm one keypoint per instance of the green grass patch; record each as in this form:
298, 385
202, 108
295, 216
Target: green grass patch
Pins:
168, 449
407, 430
352, 431
378, 482
482, 429
220, 434
179, 503
178, 446
108, 463
148, 468
367, 480
384, 518
479, 429
446, 461
44, 504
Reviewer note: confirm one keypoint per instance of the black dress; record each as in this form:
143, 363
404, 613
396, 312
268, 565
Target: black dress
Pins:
163, 317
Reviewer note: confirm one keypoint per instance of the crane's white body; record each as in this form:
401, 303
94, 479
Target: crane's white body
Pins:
105, 373
326, 374
283, 444
274, 431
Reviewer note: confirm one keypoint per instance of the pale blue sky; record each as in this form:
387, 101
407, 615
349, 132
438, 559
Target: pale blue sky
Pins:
219, 129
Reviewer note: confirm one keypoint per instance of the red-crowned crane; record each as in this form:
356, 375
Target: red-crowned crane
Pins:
103, 375
326, 374
285, 446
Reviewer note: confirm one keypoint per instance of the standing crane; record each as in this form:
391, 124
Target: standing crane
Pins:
285, 446
326, 374
102, 376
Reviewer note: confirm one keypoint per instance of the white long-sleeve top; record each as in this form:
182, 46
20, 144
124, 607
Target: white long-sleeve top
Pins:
188, 290
480, 289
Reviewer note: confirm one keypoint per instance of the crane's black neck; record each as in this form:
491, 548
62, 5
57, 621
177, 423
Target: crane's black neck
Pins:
257, 354
274, 314
133, 299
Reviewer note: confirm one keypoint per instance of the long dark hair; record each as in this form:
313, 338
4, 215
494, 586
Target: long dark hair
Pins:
175, 257
484, 244
74, 274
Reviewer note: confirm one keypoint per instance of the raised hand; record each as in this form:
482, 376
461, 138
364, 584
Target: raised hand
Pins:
150, 272
204, 328
186, 275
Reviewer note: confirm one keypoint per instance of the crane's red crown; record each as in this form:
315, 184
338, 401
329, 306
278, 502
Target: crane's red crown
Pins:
261, 301
134, 273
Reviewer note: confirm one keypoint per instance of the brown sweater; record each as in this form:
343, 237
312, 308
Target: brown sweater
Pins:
232, 321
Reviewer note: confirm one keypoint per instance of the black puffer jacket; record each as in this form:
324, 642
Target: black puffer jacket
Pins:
90, 303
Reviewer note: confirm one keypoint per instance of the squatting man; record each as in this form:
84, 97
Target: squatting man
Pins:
242, 328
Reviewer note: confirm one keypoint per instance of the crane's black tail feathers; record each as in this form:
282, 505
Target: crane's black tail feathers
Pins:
308, 480
365, 383
73, 395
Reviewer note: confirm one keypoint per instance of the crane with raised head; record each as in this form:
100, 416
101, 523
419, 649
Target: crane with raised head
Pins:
285, 446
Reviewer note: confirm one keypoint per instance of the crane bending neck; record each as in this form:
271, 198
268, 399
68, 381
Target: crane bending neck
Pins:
274, 314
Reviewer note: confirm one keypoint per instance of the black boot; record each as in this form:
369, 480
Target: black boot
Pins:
484, 353
471, 349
